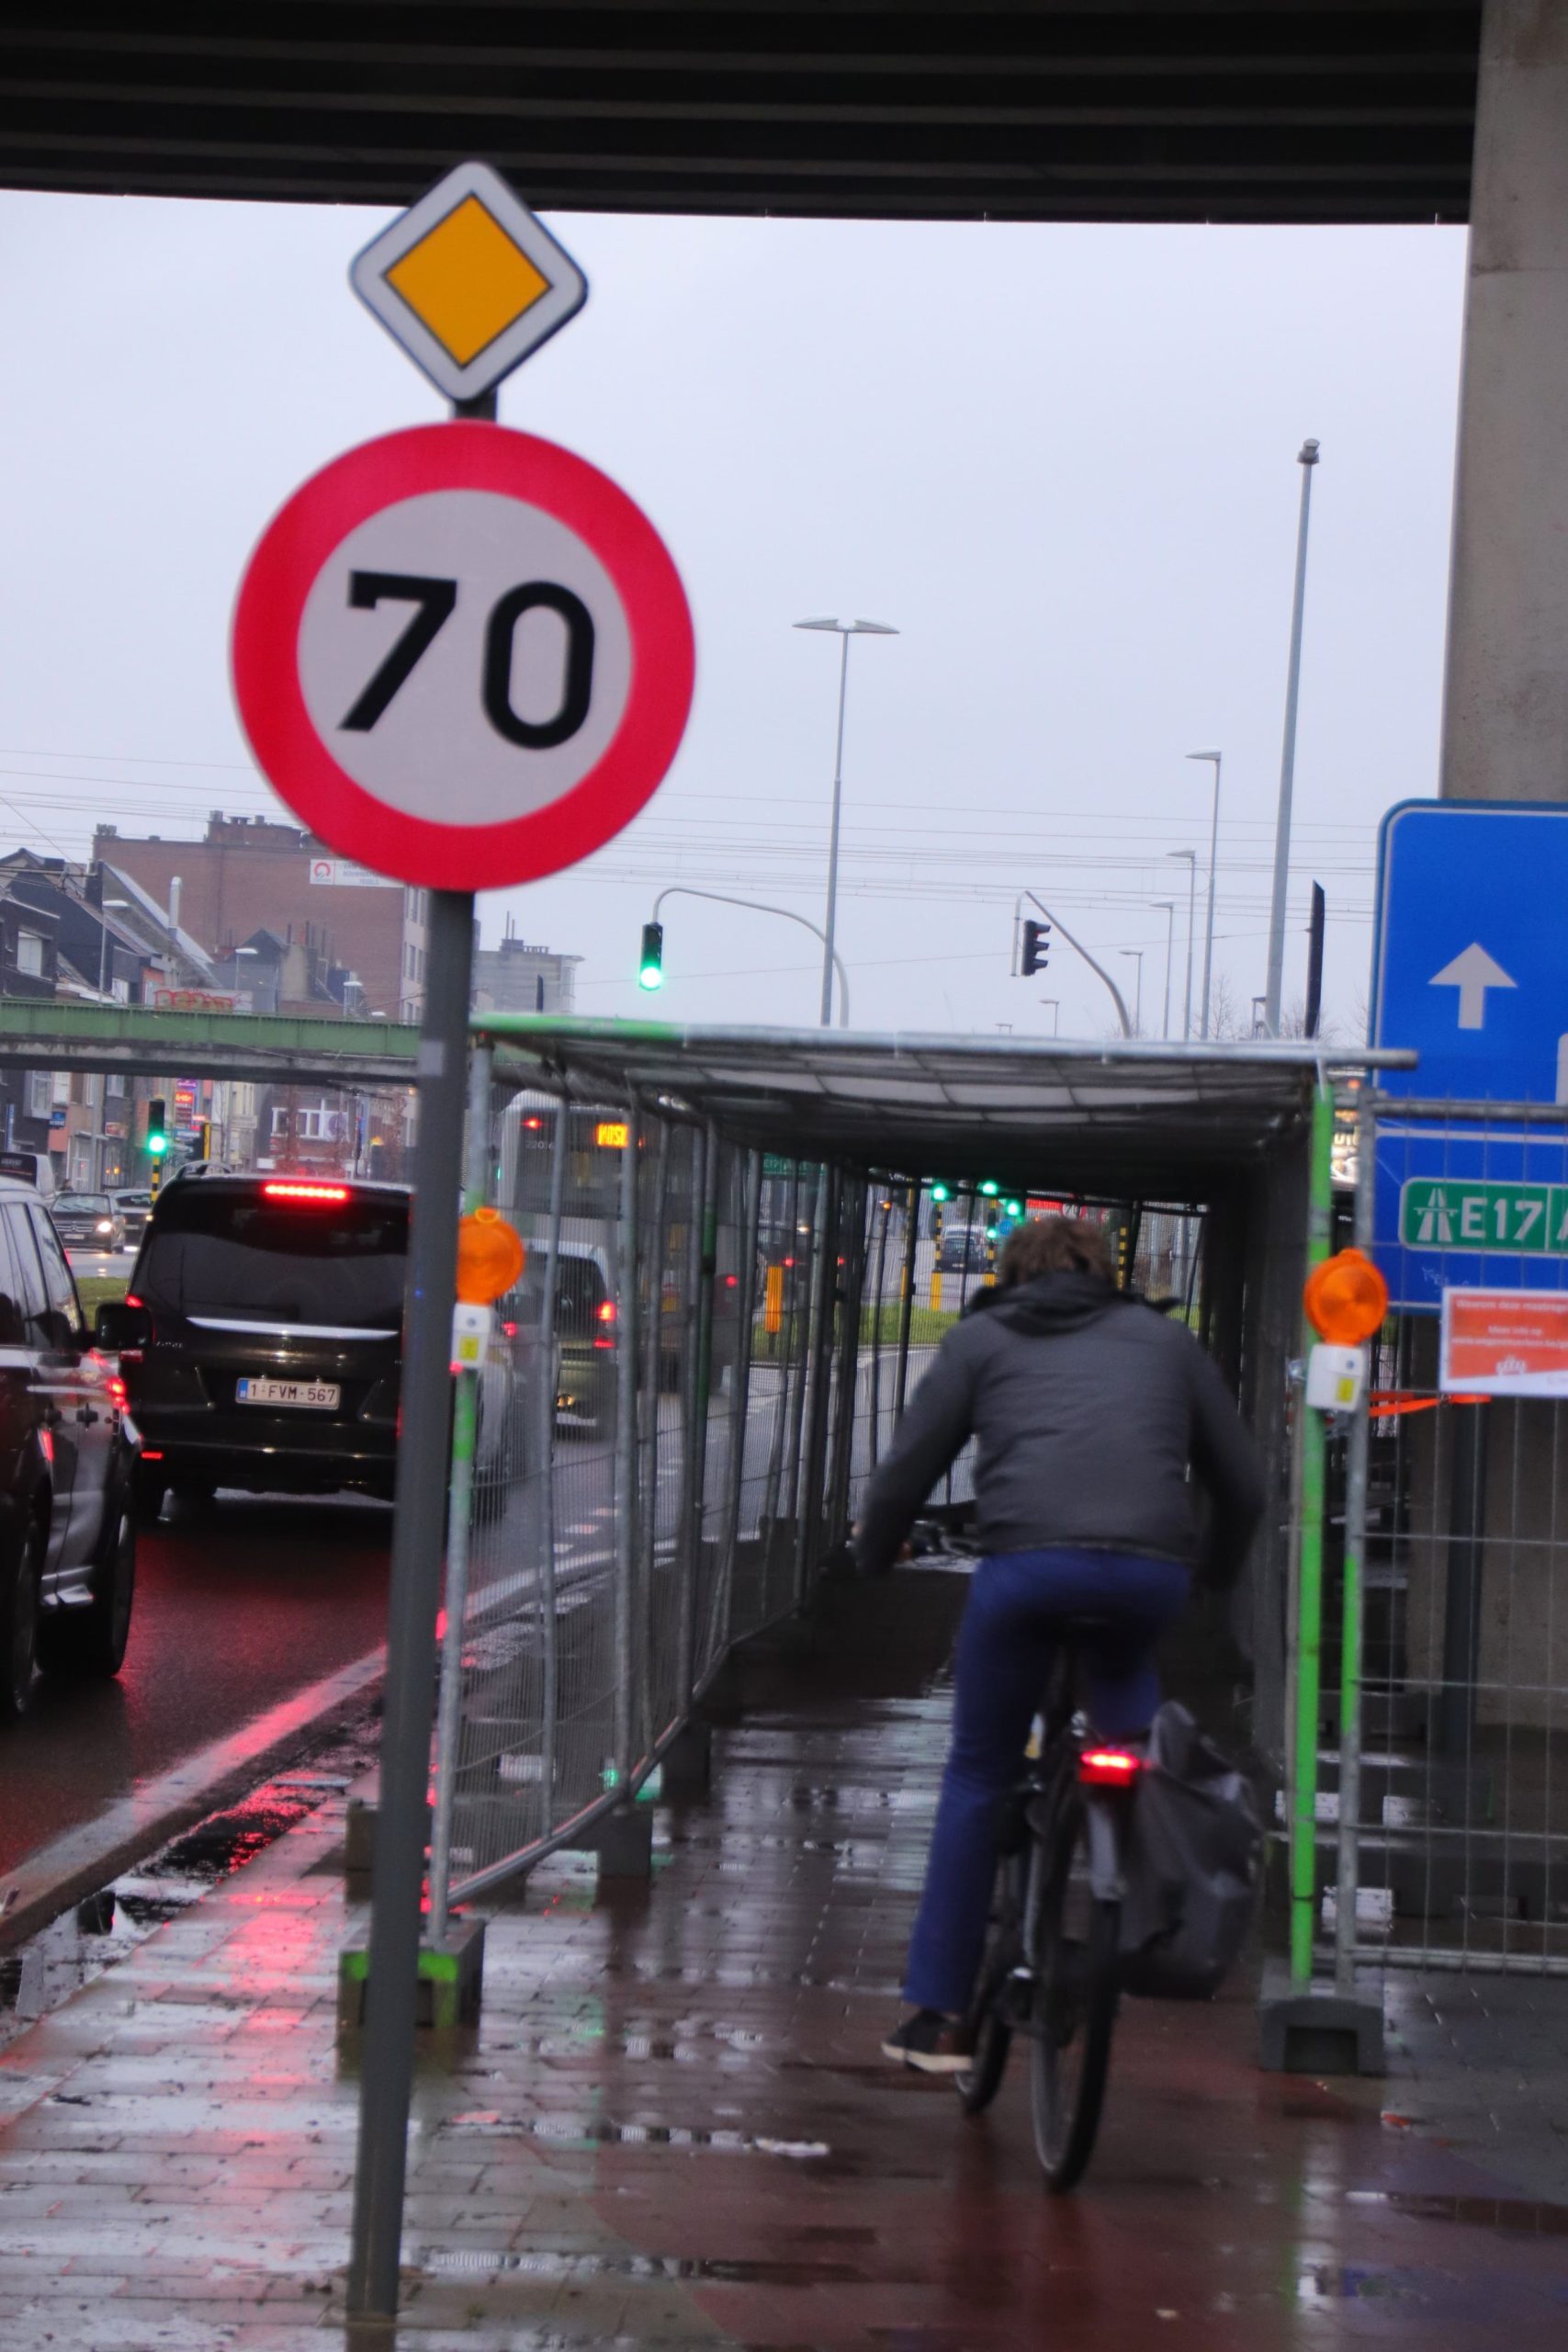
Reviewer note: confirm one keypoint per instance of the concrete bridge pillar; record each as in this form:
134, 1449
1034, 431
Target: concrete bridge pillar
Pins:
1505, 704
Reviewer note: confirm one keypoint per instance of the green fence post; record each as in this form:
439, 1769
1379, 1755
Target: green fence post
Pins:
1309, 1582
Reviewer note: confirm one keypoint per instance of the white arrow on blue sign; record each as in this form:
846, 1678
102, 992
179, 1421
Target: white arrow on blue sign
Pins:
1471, 968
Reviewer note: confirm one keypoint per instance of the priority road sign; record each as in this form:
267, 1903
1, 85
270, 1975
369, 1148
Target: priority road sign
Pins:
469, 281
463, 656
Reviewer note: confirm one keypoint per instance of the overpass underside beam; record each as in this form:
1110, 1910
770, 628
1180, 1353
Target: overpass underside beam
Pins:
937, 110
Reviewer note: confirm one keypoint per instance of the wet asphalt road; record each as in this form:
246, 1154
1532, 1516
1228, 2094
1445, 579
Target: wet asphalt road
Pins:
236, 1609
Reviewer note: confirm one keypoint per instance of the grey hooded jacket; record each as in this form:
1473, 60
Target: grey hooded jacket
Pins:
1087, 1407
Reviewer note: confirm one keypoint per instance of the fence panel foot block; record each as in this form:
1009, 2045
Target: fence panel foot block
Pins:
451, 1981
686, 1765
624, 1842
1315, 2030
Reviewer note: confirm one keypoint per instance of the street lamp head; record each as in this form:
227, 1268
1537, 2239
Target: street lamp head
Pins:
1205, 755
1308, 453
818, 624
871, 629
1189, 855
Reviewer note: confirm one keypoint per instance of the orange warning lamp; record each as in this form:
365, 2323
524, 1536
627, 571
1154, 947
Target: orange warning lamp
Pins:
1346, 1298
490, 1256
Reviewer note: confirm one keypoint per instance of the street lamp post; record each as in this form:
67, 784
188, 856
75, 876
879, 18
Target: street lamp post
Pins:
844, 629
1136, 955
1191, 857
1166, 907
1306, 459
1056, 1004
1214, 865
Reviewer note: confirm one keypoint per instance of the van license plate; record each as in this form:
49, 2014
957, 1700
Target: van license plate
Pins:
311, 1395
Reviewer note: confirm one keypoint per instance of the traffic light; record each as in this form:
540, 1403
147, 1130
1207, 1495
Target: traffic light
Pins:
940, 1193
1015, 1210
1036, 947
990, 1188
157, 1126
651, 965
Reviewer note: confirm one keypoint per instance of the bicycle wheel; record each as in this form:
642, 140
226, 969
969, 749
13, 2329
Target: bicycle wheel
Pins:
1075, 2003
982, 2078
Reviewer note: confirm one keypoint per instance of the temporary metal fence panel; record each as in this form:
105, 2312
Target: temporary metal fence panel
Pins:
664, 1454
1461, 1820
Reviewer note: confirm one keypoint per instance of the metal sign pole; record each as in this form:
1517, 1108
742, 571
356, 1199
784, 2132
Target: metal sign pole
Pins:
1353, 1619
392, 1997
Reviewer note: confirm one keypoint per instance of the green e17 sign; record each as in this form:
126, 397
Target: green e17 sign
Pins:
1458, 1213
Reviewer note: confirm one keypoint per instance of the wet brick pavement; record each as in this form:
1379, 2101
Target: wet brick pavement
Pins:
673, 2129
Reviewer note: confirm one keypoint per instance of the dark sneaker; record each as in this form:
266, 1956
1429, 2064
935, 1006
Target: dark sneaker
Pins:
930, 2042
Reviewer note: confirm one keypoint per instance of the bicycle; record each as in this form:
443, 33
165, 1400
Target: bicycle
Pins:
1050, 1971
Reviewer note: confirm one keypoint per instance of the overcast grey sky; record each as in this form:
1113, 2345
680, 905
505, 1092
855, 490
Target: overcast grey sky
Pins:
1060, 461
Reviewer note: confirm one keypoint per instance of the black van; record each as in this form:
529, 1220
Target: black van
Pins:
67, 1456
260, 1338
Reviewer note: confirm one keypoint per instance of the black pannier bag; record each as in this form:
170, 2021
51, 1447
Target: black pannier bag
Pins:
1192, 1864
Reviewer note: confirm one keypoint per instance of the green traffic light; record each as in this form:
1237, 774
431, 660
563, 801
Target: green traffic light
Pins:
990, 1189
650, 976
157, 1146
651, 964
940, 1193
1015, 1208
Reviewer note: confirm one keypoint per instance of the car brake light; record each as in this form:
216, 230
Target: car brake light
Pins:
510, 1331
730, 1281
281, 1192
606, 1310
149, 1454
1109, 1768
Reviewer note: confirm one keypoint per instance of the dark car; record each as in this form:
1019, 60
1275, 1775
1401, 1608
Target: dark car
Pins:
961, 1247
135, 1208
260, 1336
87, 1221
67, 1456
585, 1331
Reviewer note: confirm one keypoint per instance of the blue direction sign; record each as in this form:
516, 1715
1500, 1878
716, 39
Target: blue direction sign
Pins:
1471, 968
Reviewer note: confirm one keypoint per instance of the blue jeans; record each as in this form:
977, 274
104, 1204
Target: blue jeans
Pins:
1018, 1605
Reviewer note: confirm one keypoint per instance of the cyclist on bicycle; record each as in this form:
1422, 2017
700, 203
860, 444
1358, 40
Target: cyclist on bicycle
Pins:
1090, 1411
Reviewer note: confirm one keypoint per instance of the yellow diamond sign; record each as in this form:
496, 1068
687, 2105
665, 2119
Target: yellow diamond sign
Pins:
469, 281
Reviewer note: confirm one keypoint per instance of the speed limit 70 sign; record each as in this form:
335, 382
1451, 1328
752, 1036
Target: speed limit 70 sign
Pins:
463, 656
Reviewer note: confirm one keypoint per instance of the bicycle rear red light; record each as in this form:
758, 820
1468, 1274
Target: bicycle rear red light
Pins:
1109, 1768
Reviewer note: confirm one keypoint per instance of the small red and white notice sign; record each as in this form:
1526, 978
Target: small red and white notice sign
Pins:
1505, 1342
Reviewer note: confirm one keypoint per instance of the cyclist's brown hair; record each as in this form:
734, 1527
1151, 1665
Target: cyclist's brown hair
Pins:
1053, 1245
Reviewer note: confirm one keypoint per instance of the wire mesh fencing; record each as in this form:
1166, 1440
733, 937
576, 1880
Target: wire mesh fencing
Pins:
1461, 1819
681, 1400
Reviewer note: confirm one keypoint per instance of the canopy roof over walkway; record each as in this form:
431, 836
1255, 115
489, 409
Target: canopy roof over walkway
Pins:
1311, 110
1136, 1119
